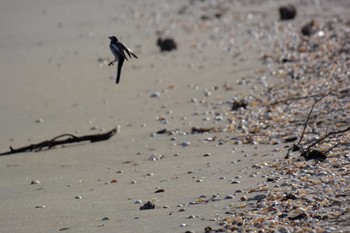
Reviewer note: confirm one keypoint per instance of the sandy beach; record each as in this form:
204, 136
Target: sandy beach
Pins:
181, 145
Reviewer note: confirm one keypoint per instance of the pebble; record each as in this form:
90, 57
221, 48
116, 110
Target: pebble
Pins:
183, 225
78, 197
186, 143
138, 202
40, 206
155, 94
35, 182
39, 120
235, 182
105, 219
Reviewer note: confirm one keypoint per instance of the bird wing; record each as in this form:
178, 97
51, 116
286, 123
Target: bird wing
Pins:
128, 51
118, 50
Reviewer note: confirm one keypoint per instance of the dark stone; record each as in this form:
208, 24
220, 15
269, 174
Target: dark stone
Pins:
167, 44
314, 154
159, 191
239, 104
162, 131
309, 29
290, 139
289, 196
287, 12
148, 206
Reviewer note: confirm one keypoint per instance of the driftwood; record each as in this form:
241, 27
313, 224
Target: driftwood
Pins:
48, 144
310, 153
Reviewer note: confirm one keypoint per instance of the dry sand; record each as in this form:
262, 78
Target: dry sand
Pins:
53, 83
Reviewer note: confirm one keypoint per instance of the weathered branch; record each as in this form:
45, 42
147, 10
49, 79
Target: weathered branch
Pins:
48, 144
328, 135
308, 118
296, 146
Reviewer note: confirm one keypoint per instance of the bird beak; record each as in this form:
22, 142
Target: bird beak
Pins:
110, 37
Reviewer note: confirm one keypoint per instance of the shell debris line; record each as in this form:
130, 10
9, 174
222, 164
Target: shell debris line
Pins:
306, 196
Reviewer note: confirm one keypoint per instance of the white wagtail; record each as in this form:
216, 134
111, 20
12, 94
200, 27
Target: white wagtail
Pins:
118, 49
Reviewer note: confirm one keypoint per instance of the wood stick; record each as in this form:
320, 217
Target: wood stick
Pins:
48, 144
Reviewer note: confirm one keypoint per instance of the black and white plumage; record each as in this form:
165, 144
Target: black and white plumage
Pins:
119, 49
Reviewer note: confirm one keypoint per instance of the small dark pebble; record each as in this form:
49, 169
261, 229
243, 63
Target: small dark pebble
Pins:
289, 196
159, 191
257, 198
162, 131
64, 229
167, 44
309, 29
239, 104
314, 154
200, 130
270, 179
147, 206
286, 60
287, 12
290, 139
205, 17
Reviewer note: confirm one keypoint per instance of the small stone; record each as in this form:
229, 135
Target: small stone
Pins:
183, 225
39, 120
35, 182
148, 205
133, 182
244, 198
287, 12
235, 182
106, 219
159, 191
166, 44
229, 197
40, 206
138, 202
78, 197
184, 144
155, 94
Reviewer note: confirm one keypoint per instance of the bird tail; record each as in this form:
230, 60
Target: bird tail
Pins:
133, 54
120, 64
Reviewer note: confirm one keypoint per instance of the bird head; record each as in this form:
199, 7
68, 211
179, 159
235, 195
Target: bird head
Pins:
113, 38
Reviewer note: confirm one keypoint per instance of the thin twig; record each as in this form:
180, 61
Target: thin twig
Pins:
308, 117
328, 135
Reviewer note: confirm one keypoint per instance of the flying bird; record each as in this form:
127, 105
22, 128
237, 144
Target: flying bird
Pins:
119, 49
